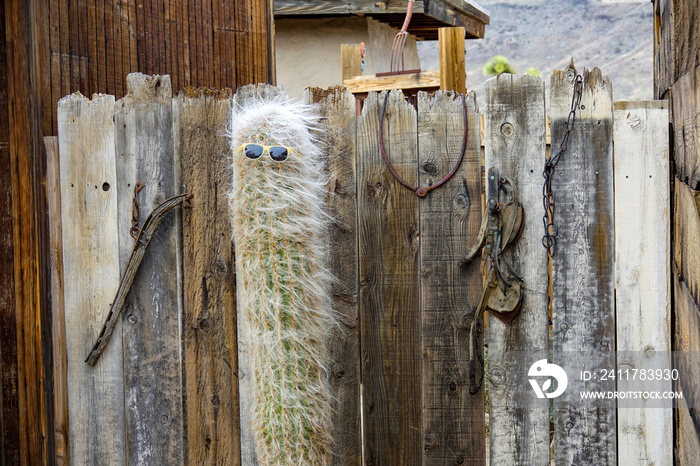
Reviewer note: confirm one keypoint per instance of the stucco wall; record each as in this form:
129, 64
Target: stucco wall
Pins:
308, 50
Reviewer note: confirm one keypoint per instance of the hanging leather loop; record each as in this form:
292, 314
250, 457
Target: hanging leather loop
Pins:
419, 191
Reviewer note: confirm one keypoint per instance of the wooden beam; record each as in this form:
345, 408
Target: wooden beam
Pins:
424, 80
583, 296
453, 74
450, 216
24, 47
642, 272
351, 60
337, 106
515, 145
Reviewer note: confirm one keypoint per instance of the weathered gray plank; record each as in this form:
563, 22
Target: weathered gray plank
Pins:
337, 108
583, 304
244, 95
450, 216
58, 322
91, 276
151, 317
642, 271
515, 135
663, 47
686, 236
389, 277
210, 361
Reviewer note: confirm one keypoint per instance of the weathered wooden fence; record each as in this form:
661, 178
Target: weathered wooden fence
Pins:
172, 387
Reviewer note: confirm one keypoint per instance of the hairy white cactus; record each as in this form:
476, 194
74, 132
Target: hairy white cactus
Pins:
279, 221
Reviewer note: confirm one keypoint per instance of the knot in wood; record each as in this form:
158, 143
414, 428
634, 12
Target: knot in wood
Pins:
507, 129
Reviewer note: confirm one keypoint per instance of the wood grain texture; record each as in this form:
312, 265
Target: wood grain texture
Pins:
151, 317
453, 75
583, 305
686, 39
642, 270
91, 277
210, 361
9, 395
686, 237
685, 110
25, 74
450, 216
686, 344
389, 256
351, 60
514, 132
663, 47
422, 80
338, 133
58, 323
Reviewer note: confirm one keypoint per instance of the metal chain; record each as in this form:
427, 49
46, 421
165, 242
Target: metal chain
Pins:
134, 231
550, 229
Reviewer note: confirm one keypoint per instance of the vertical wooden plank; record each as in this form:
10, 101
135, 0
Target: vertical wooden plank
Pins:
686, 343
91, 276
100, 43
110, 35
685, 107
9, 395
58, 323
89, 44
514, 134
583, 305
453, 74
337, 108
450, 216
643, 252
64, 49
131, 29
210, 365
25, 65
389, 253
686, 238
351, 60
151, 323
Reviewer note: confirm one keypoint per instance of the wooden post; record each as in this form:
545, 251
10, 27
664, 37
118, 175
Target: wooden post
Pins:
389, 259
151, 318
453, 74
642, 271
583, 296
515, 145
210, 361
450, 216
91, 264
58, 323
351, 60
337, 106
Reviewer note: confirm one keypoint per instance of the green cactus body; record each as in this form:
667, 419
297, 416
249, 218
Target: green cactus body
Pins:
278, 226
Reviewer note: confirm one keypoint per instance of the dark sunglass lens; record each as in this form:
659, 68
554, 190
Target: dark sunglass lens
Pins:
253, 151
278, 154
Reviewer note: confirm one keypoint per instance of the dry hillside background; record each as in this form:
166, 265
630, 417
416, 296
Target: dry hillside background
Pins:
546, 34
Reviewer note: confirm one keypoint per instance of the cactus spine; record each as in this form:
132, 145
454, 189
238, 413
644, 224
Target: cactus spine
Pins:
278, 225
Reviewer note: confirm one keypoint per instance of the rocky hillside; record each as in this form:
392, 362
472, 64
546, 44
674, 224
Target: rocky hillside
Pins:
546, 34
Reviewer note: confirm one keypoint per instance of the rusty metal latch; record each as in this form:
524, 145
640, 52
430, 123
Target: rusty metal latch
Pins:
501, 225
419, 191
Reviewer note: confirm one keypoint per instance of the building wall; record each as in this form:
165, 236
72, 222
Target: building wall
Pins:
308, 50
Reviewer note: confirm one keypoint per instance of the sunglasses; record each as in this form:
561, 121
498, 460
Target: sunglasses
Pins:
255, 151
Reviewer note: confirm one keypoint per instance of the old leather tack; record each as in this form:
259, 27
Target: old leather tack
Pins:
500, 227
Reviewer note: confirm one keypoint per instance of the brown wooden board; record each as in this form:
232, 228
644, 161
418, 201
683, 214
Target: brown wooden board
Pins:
25, 61
663, 47
58, 323
686, 39
514, 132
686, 237
450, 216
151, 318
685, 108
583, 268
9, 396
686, 344
210, 361
338, 133
389, 256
